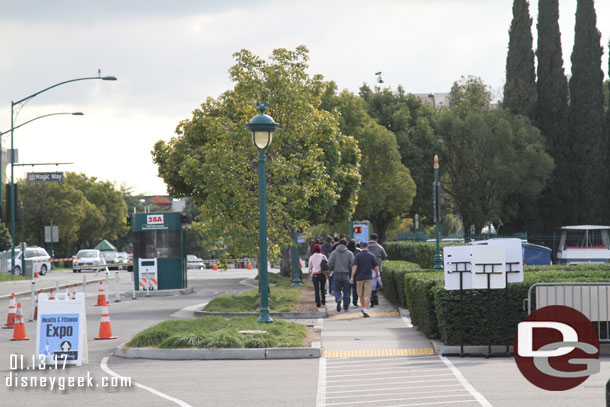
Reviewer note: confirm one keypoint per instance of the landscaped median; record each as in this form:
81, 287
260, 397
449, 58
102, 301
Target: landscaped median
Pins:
12, 277
238, 336
436, 311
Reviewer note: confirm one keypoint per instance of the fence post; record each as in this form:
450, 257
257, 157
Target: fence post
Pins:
117, 294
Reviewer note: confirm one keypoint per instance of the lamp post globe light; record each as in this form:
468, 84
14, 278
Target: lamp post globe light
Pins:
262, 127
12, 130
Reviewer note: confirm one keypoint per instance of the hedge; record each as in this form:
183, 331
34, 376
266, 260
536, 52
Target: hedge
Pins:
436, 311
421, 253
393, 282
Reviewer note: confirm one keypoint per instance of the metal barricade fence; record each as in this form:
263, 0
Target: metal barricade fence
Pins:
591, 299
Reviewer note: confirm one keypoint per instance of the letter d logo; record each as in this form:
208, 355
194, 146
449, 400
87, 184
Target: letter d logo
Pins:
525, 331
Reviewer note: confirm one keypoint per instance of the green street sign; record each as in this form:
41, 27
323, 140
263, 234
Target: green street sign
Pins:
45, 177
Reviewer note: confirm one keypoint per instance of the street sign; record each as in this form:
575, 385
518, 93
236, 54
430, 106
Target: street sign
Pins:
45, 177
51, 234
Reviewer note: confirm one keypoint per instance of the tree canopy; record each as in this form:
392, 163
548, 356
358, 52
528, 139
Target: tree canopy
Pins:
312, 169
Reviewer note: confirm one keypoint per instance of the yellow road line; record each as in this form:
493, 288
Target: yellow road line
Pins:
368, 353
359, 315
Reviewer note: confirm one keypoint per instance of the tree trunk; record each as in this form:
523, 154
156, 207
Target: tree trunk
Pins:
285, 263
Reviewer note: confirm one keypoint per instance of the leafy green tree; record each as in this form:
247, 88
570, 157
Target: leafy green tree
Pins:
411, 122
552, 118
312, 169
520, 87
105, 216
387, 188
494, 159
588, 137
59, 204
5, 237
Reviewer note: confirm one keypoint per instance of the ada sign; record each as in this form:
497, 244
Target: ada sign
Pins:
154, 220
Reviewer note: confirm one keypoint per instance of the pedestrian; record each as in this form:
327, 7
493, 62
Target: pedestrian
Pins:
351, 246
364, 262
340, 263
317, 275
379, 252
326, 248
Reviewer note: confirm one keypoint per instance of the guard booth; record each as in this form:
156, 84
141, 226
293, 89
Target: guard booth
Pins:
159, 240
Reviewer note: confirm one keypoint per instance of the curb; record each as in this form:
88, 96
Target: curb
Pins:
217, 354
165, 293
279, 315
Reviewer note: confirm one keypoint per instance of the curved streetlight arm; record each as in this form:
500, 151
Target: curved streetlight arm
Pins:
104, 78
40, 117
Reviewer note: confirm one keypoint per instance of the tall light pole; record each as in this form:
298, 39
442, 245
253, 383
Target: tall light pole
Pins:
12, 130
438, 260
262, 127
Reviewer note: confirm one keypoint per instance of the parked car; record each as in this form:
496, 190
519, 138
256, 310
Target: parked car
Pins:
194, 262
42, 260
89, 257
111, 257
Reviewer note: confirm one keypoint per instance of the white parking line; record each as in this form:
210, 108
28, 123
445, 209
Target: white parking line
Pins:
369, 365
395, 393
105, 368
394, 383
390, 371
399, 399
393, 377
393, 388
482, 400
321, 399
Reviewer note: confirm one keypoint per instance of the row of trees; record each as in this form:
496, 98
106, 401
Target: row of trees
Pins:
337, 155
85, 209
571, 115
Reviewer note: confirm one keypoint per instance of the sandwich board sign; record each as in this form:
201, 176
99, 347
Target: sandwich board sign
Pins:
61, 330
148, 274
457, 264
488, 266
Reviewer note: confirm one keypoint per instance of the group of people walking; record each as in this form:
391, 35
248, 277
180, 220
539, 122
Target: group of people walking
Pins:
353, 272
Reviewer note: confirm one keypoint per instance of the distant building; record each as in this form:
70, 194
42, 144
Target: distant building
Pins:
435, 99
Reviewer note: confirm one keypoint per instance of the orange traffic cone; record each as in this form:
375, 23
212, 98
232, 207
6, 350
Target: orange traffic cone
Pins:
101, 297
36, 308
249, 266
215, 267
19, 331
105, 328
52, 294
10, 319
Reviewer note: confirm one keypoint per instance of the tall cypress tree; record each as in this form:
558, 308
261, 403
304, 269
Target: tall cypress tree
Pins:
552, 112
520, 88
587, 119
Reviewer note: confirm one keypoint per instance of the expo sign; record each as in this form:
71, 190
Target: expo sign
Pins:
557, 348
154, 220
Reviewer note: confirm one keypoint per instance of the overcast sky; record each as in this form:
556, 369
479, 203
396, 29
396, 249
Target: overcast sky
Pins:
169, 56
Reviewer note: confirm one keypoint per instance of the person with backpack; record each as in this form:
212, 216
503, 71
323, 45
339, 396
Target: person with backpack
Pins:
317, 275
340, 263
364, 262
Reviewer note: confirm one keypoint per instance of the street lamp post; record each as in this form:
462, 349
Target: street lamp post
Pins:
296, 278
12, 130
438, 260
262, 127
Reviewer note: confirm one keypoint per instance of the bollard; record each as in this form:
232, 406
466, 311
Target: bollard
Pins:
106, 289
33, 305
147, 283
133, 286
57, 286
608, 394
117, 293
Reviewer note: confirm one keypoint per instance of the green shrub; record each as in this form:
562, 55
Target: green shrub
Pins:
391, 278
420, 301
436, 311
260, 341
223, 338
421, 253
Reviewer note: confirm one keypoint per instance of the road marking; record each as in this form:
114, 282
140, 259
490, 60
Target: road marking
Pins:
105, 368
394, 370
393, 377
400, 399
482, 400
394, 383
369, 366
367, 353
347, 361
392, 388
397, 393
321, 399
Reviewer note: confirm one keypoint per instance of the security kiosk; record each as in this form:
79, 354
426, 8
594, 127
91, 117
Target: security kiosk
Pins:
159, 247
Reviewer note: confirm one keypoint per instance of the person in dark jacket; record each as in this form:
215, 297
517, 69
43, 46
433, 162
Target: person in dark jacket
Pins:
379, 252
351, 246
340, 263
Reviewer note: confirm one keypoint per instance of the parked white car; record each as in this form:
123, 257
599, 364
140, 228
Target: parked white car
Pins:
41, 259
89, 257
194, 262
